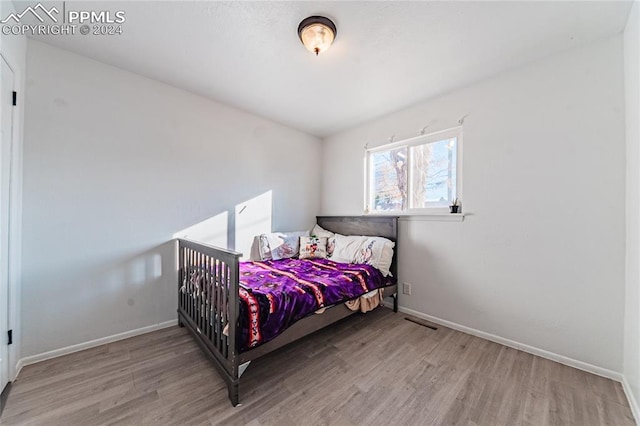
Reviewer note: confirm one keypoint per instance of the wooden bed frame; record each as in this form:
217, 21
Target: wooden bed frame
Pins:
206, 316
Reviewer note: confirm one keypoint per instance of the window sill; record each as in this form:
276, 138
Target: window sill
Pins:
431, 217
434, 217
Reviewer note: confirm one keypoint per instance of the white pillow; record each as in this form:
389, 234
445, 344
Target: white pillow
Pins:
347, 248
255, 249
384, 264
320, 232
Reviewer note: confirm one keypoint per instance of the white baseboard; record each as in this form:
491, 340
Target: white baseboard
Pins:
23, 362
633, 402
517, 345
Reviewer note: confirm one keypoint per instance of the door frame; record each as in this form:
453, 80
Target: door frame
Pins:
5, 257
15, 222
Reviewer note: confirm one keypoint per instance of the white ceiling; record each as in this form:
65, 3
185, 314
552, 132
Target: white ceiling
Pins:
387, 55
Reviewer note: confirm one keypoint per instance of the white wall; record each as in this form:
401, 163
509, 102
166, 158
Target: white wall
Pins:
14, 51
632, 299
115, 164
541, 259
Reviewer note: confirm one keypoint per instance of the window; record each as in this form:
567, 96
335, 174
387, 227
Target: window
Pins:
417, 175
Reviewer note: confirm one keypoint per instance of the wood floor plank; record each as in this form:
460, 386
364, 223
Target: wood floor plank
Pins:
374, 369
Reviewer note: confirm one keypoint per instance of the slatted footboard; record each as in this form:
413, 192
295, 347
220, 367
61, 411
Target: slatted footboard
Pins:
208, 304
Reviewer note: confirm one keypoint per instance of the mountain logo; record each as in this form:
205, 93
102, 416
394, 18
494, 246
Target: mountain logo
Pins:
34, 11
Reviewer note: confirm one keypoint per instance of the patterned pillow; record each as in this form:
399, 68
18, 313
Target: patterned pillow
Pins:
375, 251
313, 247
263, 247
320, 232
378, 252
280, 245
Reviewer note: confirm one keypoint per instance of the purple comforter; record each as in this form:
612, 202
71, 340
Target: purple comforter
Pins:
276, 294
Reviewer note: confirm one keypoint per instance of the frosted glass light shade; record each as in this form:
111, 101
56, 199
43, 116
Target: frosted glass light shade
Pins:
317, 33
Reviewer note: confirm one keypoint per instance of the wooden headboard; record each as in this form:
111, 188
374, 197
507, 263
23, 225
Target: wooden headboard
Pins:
374, 226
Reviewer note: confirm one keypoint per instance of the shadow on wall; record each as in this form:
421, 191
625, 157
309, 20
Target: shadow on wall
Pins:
127, 290
142, 268
234, 230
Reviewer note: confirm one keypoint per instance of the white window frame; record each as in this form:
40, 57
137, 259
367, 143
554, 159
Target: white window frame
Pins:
455, 132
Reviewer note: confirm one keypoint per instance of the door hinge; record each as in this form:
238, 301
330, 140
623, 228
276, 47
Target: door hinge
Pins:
10, 335
15, 98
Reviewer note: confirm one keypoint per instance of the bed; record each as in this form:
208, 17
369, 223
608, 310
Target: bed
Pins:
214, 307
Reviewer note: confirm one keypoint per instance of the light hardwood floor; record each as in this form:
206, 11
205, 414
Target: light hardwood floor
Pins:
368, 369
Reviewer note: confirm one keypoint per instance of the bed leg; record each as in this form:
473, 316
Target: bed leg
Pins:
233, 392
395, 302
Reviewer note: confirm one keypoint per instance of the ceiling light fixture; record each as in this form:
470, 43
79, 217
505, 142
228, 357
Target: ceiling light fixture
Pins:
317, 33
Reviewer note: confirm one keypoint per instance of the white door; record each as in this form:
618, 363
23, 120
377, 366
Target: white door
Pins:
6, 132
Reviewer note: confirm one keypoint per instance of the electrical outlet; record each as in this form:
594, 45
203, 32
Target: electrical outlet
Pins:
406, 288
